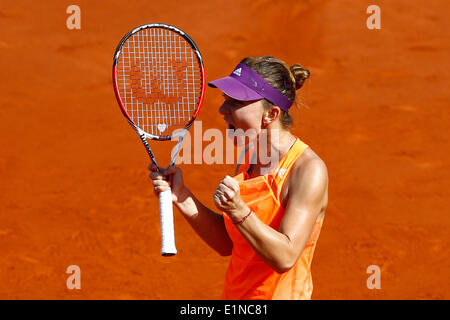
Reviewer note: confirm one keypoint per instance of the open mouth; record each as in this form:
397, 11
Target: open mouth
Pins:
231, 127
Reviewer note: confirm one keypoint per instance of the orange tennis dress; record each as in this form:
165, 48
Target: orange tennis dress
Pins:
248, 277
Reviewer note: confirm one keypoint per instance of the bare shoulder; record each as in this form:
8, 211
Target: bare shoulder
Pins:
308, 180
309, 165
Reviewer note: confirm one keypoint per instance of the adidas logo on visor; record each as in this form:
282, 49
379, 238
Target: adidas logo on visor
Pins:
237, 72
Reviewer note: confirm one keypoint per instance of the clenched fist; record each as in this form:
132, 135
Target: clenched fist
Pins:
227, 198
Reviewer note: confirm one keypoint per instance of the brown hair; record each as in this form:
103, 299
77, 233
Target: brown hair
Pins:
280, 76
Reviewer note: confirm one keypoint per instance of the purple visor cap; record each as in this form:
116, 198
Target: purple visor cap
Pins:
246, 84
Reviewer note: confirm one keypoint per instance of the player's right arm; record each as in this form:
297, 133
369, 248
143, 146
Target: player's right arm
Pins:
208, 224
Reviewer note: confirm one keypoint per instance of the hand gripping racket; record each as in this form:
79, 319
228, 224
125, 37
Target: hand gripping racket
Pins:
159, 82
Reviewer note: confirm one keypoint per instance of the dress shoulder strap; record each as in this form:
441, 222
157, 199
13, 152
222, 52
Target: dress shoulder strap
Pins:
285, 165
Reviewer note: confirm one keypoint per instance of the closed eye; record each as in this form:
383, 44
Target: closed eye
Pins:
234, 102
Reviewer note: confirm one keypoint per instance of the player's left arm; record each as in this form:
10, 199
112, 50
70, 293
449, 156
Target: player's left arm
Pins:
307, 189
280, 249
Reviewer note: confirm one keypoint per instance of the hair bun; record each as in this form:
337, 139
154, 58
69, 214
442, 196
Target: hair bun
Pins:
300, 74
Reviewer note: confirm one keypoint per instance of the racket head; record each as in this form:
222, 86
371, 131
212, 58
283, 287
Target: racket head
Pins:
159, 79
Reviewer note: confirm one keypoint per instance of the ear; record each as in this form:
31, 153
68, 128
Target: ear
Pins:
270, 115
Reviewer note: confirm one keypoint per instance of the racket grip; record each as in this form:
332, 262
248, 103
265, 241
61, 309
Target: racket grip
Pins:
167, 227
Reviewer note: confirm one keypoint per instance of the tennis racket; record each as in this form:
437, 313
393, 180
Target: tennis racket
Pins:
159, 83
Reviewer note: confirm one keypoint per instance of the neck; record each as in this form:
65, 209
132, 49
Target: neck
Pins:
273, 144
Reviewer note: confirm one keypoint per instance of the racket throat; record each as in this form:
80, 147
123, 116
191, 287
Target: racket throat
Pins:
143, 137
180, 135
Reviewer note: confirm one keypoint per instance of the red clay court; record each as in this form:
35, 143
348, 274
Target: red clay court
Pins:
74, 186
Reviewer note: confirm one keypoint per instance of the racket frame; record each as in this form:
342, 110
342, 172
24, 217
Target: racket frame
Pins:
116, 89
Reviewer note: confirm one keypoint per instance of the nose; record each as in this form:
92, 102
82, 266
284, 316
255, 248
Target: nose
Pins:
224, 108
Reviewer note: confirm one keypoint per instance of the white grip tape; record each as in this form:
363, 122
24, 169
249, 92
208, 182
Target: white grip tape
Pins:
167, 229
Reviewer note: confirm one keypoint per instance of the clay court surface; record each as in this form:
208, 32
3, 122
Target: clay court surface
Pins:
74, 188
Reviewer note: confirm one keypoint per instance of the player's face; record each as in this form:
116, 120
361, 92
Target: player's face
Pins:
243, 115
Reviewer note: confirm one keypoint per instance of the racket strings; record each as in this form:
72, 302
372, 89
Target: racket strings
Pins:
159, 79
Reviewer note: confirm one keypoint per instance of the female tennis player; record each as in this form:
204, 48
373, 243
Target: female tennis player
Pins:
269, 214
